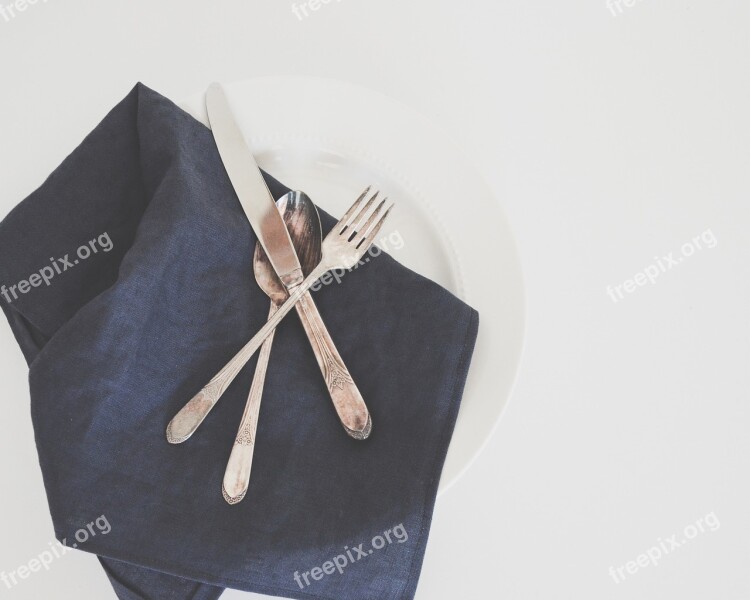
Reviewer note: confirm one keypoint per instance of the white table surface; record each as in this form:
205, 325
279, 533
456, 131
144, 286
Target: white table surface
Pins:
609, 137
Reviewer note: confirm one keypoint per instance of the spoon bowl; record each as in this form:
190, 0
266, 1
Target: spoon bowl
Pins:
303, 222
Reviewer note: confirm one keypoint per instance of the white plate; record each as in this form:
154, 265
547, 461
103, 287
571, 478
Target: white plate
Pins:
330, 139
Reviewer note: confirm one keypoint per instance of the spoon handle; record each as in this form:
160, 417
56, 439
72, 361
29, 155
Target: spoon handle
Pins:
237, 474
188, 419
347, 400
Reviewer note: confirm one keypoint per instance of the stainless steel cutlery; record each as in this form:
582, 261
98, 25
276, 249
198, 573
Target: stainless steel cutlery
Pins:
280, 273
261, 211
342, 248
303, 223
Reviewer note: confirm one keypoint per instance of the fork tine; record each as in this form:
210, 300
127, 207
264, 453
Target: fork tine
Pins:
354, 225
361, 230
367, 241
345, 219
359, 217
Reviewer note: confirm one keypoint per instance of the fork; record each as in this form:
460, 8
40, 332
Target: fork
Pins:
342, 248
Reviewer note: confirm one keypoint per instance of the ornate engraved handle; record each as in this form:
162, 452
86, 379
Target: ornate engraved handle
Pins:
237, 474
347, 400
186, 422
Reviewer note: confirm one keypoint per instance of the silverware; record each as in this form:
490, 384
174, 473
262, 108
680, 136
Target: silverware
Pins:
342, 248
261, 211
258, 204
303, 223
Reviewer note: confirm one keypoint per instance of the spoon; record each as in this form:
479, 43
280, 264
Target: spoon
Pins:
301, 215
303, 222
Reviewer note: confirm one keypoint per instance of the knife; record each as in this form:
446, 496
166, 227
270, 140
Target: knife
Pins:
259, 207
251, 188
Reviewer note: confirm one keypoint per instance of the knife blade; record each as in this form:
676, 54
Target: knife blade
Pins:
251, 188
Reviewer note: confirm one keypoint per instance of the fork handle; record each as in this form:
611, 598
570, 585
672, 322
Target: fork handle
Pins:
237, 474
347, 400
188, 419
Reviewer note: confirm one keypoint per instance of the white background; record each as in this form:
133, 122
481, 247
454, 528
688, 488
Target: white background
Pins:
608, 140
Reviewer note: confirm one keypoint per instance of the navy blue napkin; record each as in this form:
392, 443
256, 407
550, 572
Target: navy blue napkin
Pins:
127, 281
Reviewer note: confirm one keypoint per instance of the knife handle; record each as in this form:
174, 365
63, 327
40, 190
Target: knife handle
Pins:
237, 474
347, 400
